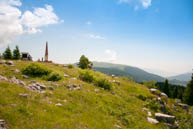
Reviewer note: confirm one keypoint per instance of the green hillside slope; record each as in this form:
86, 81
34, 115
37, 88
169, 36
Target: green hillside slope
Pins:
88, 107
135, 73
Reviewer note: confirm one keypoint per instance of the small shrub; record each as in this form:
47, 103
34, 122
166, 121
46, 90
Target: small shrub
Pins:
54, 77
36, 70
103, 83
153, 105
142, 97
87, 76
70, 66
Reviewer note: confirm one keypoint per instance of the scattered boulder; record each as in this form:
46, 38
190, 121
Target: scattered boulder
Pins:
112, 75
149, 114
163, 94
10, 63
73, 87
37, 87
50, 88
2, 124
117, 126
152, 121
17, 70
66, 75
96, 90
155, 91
116, 82
2, 61
184, 106
172, 126
58, 104
165, 118
25, 77
24, 95
17, 81
2, 78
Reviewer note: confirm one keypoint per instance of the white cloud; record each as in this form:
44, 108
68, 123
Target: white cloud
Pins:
112, 55
146, 3
38, 18
14, 23
136, 3
88, 22
93, 36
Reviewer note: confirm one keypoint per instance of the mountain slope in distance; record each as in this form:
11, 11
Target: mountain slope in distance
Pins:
181, 77
135, 73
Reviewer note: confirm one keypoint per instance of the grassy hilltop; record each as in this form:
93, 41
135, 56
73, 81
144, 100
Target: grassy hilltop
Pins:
89, 107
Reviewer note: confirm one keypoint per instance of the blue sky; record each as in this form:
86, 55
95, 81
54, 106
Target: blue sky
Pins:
156, 35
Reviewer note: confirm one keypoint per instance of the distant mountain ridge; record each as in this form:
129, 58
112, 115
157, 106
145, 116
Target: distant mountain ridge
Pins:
181, 77
137, 74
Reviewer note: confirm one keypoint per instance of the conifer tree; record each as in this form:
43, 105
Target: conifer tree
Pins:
16, 53
188, 94
166, 88
7, 54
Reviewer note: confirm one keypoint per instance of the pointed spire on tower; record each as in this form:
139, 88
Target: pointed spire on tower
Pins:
46, 53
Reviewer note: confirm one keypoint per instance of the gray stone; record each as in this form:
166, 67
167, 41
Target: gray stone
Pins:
152, 121
25, 76
2, 78
17, 70
165, 118
117, 126
50, 88
66, 75
163, 94
2, 124
17, 81
58, 104
10, 63
24, 95
184, 106
2, 61
149, 114
116, 82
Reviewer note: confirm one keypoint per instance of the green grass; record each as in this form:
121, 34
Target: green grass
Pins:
84, 109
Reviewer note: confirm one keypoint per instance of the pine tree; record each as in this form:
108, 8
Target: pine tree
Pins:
188, 94
166, 88
84, 63
7, 54
16, 53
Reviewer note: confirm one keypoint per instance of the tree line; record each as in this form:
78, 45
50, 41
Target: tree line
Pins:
176, 91
9, 55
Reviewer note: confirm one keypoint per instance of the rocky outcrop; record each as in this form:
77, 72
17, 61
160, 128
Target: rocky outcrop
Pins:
17, 81
37, 87
2, 61
24, 95
73, 87
25, 77
165, 118
10, 63
2, 124
2, 78
116, 82
152, 121
184, 106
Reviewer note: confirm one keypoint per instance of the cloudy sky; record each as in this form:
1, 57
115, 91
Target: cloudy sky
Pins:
156, 35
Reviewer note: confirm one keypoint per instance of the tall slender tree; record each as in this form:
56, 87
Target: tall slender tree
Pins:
188, 94
166, 88
7, 54
16, 53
